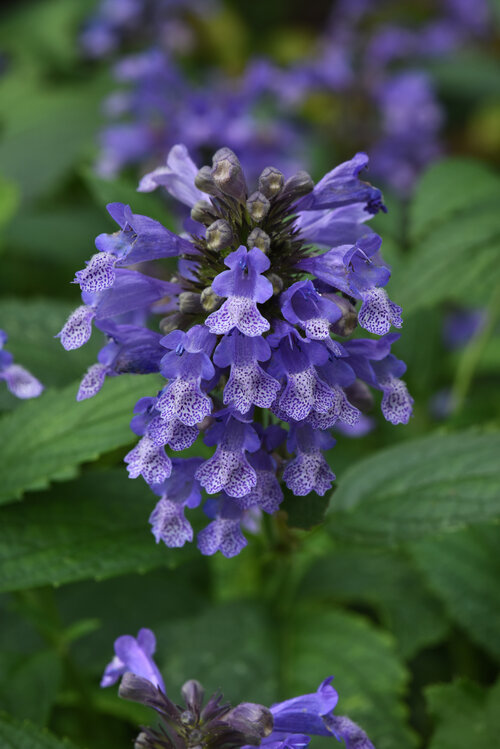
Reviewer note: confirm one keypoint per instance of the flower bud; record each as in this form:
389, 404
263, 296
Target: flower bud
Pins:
349, 320
259, 238
219, 235
258, 206
203, 212
228, 174
193, 694
205, 182
276, 281
298, 185
209, 299
271, 181
190, 303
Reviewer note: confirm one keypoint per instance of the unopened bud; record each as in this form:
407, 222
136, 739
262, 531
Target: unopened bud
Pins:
205, 182
259, 238
174, 321
193, 694
258, 206
228, 174
219, 235
209, 299
190, 303
203, 212
142, 742
359, 395
345, 325
300, 184
271, 181
276, 281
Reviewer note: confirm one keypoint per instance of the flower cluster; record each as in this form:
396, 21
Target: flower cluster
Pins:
19, 381
216, 724
256, 349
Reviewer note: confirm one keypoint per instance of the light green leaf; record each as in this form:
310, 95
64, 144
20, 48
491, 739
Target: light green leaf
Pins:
95, 527
463, 570
47, 439
467, 716
16, 734
369, 677
382, 579
438, 483
448, 189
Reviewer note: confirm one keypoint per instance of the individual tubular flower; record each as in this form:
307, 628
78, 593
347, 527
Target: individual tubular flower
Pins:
291, 723
19, 381
257, 320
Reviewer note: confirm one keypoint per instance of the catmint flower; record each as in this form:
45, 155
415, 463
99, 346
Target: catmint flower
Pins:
213, 724
257, 359
19, 381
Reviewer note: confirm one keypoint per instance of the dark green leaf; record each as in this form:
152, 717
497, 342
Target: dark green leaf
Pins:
16, 734
387, 581
466, 715
463, 570
419, 488
29, 684
48, 438
369, 677
96, 527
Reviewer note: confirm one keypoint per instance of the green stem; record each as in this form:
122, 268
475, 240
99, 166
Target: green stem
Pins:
472, 353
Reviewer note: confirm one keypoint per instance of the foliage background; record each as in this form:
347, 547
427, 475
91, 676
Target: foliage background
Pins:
396, 593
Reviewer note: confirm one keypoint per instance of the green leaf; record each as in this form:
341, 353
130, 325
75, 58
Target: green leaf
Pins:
31, 325
29, 684
437, 483
16, 734
463, 570
467, 716
388, 582
48, 438
369, 677
124, 190
229, 647
95, 527
450, 188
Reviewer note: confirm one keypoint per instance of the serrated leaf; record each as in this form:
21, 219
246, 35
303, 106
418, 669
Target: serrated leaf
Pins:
437, 483
463, 570
95, 527
450, 188
229, 647
457, 258
17, 734
384, 580
467, 716
47, 439
369, 677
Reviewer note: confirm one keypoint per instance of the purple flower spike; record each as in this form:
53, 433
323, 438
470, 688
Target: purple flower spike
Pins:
243, 286
175, 433
223, 533
305, 713
99, 273
229, 469
92, 381
248, 384
308, 471
78, 328
20, 382
397, 403
177, 177
150, 461
169, 524
378, 313
134, 655
302, 305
